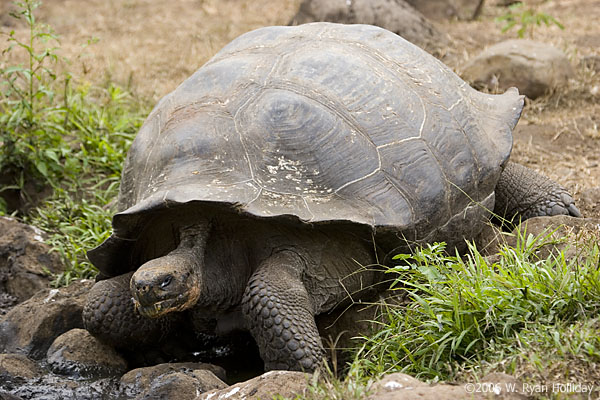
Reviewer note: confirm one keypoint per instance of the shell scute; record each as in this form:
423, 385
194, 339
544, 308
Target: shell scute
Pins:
323, 123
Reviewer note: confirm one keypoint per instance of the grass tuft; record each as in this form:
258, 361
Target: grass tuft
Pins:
64, 138
463, 307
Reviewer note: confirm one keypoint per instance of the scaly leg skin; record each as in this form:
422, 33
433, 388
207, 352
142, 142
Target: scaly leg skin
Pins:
524, 193
280, 315
109, 314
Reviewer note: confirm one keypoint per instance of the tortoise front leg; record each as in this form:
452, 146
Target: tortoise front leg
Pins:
110, 315
280, 315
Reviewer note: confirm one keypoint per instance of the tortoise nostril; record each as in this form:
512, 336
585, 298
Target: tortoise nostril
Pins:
141, 286
166, 282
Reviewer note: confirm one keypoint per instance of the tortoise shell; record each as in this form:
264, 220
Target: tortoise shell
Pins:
321, 123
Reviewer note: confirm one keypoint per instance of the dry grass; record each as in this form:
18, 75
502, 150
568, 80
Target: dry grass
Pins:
153, 45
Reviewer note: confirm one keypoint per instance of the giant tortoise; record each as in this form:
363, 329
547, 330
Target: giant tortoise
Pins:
256, 192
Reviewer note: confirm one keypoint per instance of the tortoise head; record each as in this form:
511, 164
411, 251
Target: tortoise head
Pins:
172, 282
165, 284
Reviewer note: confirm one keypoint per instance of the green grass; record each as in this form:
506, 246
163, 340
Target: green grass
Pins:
545, 353
68, 136
463, 307
102, 125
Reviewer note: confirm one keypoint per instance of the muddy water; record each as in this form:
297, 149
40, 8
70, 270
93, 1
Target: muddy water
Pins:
240, 359
52, 386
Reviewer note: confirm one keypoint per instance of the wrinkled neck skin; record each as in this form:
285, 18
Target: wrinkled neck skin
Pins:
174, 282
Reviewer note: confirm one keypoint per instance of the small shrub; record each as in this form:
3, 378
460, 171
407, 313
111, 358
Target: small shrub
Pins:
66, 135
77, 216
29, 148
526, 19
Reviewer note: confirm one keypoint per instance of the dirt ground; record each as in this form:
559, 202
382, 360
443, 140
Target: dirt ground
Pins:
153, 45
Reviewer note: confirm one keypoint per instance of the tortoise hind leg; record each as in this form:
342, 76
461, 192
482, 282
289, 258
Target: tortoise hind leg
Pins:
109, 314
280, 315
524, 193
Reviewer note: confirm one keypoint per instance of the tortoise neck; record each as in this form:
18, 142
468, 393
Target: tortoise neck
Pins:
193, 238
193, 235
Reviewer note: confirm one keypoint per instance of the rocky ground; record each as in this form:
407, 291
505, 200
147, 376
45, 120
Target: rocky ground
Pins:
152, 46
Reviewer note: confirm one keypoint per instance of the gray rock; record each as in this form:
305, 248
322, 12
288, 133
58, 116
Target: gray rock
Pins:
7, 396
445, 9
285, 383
31, 327
589, 202
435, 9
78, 354
505, 386
399, 386
182, 385
534, 68
141, 380
50, 387
16, 368
394, 15
26, 263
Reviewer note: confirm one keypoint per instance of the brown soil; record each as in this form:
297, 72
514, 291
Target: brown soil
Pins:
153, 45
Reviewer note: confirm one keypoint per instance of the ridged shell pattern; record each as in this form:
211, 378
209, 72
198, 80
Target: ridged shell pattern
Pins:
322, 122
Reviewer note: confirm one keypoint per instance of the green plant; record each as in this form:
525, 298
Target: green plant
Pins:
27, 150
462, 307
64, 135
562, 349
77, 216
521, 314
526, 19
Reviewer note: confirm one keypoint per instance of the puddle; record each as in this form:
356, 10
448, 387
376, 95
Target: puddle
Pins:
239, 357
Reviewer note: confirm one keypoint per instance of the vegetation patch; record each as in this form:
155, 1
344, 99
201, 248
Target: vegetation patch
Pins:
526, 18
466, 308
62, 145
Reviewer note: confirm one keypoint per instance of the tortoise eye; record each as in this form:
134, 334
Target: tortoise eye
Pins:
166, 282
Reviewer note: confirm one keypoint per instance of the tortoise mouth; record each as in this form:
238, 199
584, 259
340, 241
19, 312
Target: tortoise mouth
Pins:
160, 308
